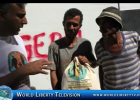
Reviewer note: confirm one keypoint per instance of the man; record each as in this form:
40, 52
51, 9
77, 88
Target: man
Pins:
14, 69
62, 51
117, 53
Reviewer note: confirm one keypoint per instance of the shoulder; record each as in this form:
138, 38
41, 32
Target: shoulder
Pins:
130, 33
18, 38
133, 35
97, 45
83, 40
55, 44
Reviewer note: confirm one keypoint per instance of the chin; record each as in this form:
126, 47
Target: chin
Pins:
71, 37
15, 33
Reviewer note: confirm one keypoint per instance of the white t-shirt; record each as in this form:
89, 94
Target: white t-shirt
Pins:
12, 56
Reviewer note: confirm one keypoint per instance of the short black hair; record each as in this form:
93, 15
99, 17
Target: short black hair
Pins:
73, 12
6, 6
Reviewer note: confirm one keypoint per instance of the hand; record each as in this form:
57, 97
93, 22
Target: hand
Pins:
83, 60
36, 67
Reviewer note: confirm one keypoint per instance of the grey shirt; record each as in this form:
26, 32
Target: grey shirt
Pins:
62, 56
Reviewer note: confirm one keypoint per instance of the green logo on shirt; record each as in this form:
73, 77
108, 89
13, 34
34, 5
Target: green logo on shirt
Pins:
16, 60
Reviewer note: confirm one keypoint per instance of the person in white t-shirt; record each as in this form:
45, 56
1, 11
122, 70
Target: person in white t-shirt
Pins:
14, 69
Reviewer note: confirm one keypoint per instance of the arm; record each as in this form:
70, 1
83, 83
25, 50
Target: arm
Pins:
92, 60
53, 75
31, 68
101, 74
88, 57
54, 81
12, 78
138, 42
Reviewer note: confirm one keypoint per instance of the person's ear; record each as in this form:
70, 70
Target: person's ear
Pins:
80, 25
63, 23
2, 13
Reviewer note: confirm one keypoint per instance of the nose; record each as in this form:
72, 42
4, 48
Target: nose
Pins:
24, 20
102, 28
71, 27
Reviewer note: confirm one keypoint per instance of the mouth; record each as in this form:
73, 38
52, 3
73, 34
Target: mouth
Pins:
19, 29
104, 33
70, 32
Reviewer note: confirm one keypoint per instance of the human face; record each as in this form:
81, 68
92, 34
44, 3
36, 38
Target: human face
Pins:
107, 26
72, 26
13, 20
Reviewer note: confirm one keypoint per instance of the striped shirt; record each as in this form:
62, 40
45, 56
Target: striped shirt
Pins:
121, 72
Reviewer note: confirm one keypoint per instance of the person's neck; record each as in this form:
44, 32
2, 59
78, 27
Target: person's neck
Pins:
70, 42
3, 34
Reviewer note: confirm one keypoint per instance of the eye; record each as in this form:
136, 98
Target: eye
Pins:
105, 22
75, 24
20, 15
69, 24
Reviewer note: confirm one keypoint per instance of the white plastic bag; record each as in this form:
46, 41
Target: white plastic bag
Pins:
79, 77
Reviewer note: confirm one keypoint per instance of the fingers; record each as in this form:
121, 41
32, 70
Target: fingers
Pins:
44, 72
46, 67
79, 57
82, 58
82, 61
46, 62
113, 29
